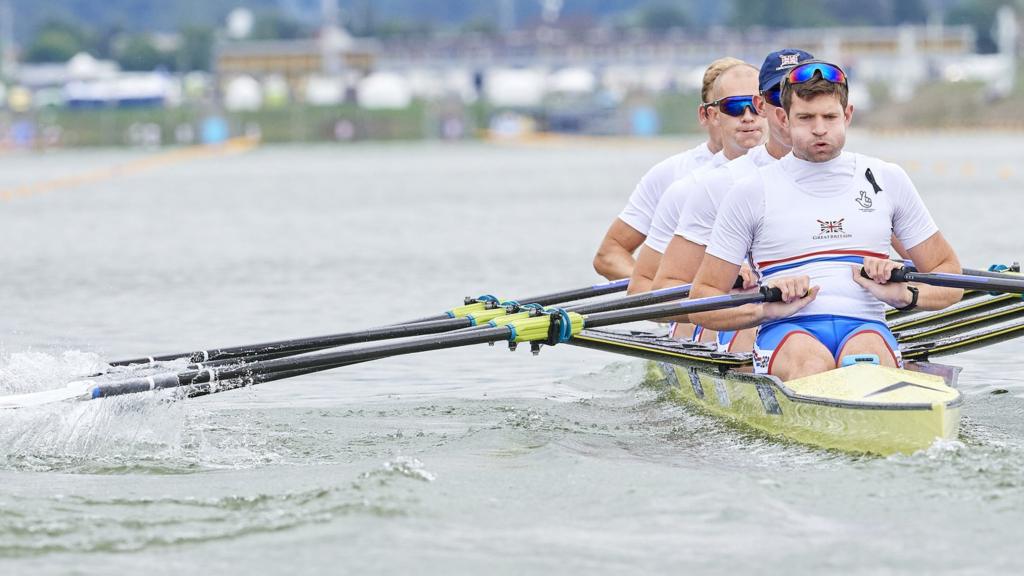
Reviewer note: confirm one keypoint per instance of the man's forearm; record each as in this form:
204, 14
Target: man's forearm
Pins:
746, 316
938, 297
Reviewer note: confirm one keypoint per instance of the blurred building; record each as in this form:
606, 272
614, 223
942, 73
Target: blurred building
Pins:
293, 60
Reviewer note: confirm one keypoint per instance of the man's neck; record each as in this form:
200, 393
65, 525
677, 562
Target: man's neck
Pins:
776, 149
733, 152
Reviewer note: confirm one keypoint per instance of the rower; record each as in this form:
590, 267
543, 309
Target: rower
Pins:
741, 127
686, 249
810, 222
614, 258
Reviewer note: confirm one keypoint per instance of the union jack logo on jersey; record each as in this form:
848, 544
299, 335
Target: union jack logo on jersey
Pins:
788, 60
832, 226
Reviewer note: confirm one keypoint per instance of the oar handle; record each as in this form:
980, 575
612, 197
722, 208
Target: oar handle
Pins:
897, 275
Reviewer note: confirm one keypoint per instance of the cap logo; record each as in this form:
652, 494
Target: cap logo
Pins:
786, 60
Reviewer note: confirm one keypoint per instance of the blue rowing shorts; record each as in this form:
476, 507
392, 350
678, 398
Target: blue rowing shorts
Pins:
832, 331
723, 340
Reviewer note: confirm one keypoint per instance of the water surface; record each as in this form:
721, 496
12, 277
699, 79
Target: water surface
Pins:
461, 461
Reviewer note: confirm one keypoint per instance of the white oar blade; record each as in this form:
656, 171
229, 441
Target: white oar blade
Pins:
79, 390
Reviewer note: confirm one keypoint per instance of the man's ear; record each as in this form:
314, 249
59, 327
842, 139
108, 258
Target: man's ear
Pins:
782, 116
702, 115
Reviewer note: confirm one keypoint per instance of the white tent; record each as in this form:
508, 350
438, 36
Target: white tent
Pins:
384, 90
515, 87
243, 93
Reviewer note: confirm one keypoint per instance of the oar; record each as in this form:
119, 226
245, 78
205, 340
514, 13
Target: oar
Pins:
1003, 283
550, 327
642, 299
997, 271
462, 317
548, 299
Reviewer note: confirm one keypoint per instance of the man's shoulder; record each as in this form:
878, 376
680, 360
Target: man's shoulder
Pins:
681, 185
721, 176
881, 170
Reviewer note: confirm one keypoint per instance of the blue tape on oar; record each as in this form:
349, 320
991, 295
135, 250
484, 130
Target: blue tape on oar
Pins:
1000, 268
564, 324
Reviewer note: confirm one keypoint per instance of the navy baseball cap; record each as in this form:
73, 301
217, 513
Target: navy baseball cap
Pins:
777, 64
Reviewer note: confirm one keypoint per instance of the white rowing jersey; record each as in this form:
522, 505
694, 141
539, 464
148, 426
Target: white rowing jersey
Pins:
697, 217
640, 209
666, 215
794, 217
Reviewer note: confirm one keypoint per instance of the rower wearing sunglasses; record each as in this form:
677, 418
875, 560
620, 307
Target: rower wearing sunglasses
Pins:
809, 224
741, 128
686, 249
614, 258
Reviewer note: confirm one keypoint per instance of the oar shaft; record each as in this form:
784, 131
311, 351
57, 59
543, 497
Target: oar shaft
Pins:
642, 299
310, 344
765, 294
322, 361
909, 265
968, 282
612, 287
429, 325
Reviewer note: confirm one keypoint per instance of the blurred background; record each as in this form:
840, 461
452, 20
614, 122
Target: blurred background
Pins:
149, 74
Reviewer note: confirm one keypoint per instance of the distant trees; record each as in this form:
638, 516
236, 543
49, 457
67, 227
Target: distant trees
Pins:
663, 16
798, 13
980, 15
272, 25
57, 41
196, 49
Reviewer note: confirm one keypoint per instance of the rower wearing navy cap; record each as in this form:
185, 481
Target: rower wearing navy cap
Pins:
693, 231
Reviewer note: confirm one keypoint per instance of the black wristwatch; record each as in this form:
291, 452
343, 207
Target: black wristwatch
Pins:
913, 299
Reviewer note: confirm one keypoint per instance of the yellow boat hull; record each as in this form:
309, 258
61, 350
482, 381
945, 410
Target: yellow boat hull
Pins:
861, 408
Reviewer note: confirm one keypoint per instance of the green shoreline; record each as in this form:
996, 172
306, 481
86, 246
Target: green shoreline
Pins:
941, 106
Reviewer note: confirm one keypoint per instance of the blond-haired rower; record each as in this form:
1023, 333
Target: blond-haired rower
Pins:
614, 258
741, 128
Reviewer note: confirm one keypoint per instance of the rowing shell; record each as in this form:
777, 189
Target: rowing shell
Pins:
860, 408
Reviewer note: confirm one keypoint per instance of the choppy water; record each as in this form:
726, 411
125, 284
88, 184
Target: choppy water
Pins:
452, 462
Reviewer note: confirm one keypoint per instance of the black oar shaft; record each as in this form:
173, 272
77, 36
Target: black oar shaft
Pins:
322, 361
429, 325
612, 287
298, 365
643, 299
984, 283
1012, 272
312, 343
765, 294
